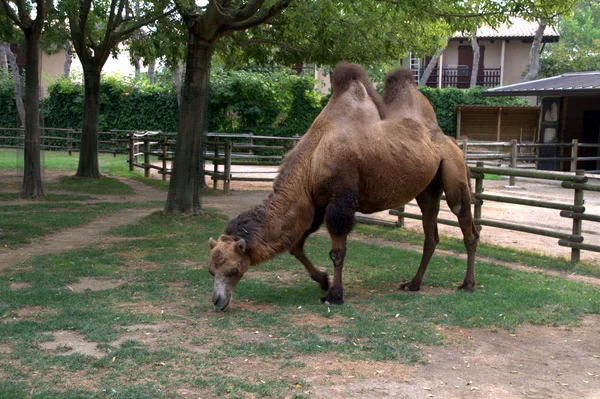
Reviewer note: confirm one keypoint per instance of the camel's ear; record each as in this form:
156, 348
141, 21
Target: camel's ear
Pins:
240, 246
212, 243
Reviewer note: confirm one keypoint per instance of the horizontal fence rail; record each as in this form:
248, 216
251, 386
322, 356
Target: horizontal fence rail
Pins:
576, 211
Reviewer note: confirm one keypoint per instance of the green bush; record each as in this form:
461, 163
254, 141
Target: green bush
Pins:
278, 103
8, 109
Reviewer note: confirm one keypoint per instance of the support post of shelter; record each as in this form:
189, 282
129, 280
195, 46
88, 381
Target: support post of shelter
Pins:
574, 152
499, 124
513, 160
227, 172
577, 223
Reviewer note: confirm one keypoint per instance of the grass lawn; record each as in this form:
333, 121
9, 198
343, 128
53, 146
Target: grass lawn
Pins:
156, 332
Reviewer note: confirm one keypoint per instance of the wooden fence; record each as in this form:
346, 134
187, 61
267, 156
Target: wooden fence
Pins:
576, 211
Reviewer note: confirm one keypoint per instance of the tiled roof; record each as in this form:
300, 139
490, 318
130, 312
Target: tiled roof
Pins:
516, 28
564, 85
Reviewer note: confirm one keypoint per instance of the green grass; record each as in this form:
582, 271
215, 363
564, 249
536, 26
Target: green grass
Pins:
51, 197
104, 185
21, 223
162, 265
487, 250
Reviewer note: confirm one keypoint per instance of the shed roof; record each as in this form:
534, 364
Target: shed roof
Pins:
516, 28
568, 84
524, 108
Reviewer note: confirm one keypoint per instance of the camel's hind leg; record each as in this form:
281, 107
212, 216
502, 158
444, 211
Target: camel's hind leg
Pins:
429, 202
455, 183
298, 251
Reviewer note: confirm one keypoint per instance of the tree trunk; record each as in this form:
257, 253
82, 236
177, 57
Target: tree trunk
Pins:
12, 60
151, 69
3, 59
32, 177
177, 81
476, 56
187, 177
88, 154
432, 62
534, 53
68, 61
137, 67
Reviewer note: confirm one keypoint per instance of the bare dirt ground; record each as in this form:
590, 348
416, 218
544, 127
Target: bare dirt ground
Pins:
535, 362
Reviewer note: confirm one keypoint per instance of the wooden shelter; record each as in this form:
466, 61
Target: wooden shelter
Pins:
570, 110
497, 122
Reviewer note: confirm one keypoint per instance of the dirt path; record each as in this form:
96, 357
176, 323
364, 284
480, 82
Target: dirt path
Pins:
79, 237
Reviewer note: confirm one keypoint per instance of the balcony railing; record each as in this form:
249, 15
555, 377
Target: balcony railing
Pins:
460, 77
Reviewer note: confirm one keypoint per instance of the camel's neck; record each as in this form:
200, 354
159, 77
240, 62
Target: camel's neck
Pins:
274, 226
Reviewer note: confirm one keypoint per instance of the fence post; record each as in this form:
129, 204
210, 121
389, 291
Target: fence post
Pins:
574, 153
227, 173
70, 141
295, 140
578, 200
478, 190
465, 148
251, 143
146, 156
400, 222
115, 134
131, 152
164, 158
216, 168
513, 160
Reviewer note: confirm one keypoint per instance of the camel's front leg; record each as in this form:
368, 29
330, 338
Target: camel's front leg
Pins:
335, 295
317, 275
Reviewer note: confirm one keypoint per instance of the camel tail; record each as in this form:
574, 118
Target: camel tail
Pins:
396, 82
345, 74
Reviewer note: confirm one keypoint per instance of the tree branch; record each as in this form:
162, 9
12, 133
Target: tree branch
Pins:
146, 20
11, 14
241, 14
259, 40
273, 11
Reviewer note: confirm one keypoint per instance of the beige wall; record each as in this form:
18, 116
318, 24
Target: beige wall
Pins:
52, 68
516, 60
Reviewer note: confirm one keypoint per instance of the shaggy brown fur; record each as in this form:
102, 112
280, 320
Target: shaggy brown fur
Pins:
360, 154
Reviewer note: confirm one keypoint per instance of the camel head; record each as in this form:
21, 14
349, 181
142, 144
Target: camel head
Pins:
228, 263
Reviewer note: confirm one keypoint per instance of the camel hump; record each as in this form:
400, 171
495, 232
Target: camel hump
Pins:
396, 82
345, 74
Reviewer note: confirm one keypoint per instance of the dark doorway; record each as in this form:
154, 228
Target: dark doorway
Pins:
590, 134
465, 65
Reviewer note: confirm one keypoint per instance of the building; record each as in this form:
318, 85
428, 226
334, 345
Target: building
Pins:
570, 110
504, 56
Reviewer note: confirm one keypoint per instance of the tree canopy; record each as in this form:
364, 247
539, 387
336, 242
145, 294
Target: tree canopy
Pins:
579, 46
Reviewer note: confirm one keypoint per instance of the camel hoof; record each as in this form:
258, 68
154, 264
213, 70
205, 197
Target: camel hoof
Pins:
470, 287
409, 287
335, 296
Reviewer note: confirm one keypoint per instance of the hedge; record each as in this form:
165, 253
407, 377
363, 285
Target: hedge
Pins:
266, 103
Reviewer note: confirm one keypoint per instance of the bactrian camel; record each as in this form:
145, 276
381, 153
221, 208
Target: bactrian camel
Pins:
363, 154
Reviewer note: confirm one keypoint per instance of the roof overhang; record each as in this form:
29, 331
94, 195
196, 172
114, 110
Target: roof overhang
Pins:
568, 84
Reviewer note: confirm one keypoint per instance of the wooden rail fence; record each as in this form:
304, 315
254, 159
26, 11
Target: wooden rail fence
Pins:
576, 211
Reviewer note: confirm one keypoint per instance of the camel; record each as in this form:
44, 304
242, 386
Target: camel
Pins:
363, 154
